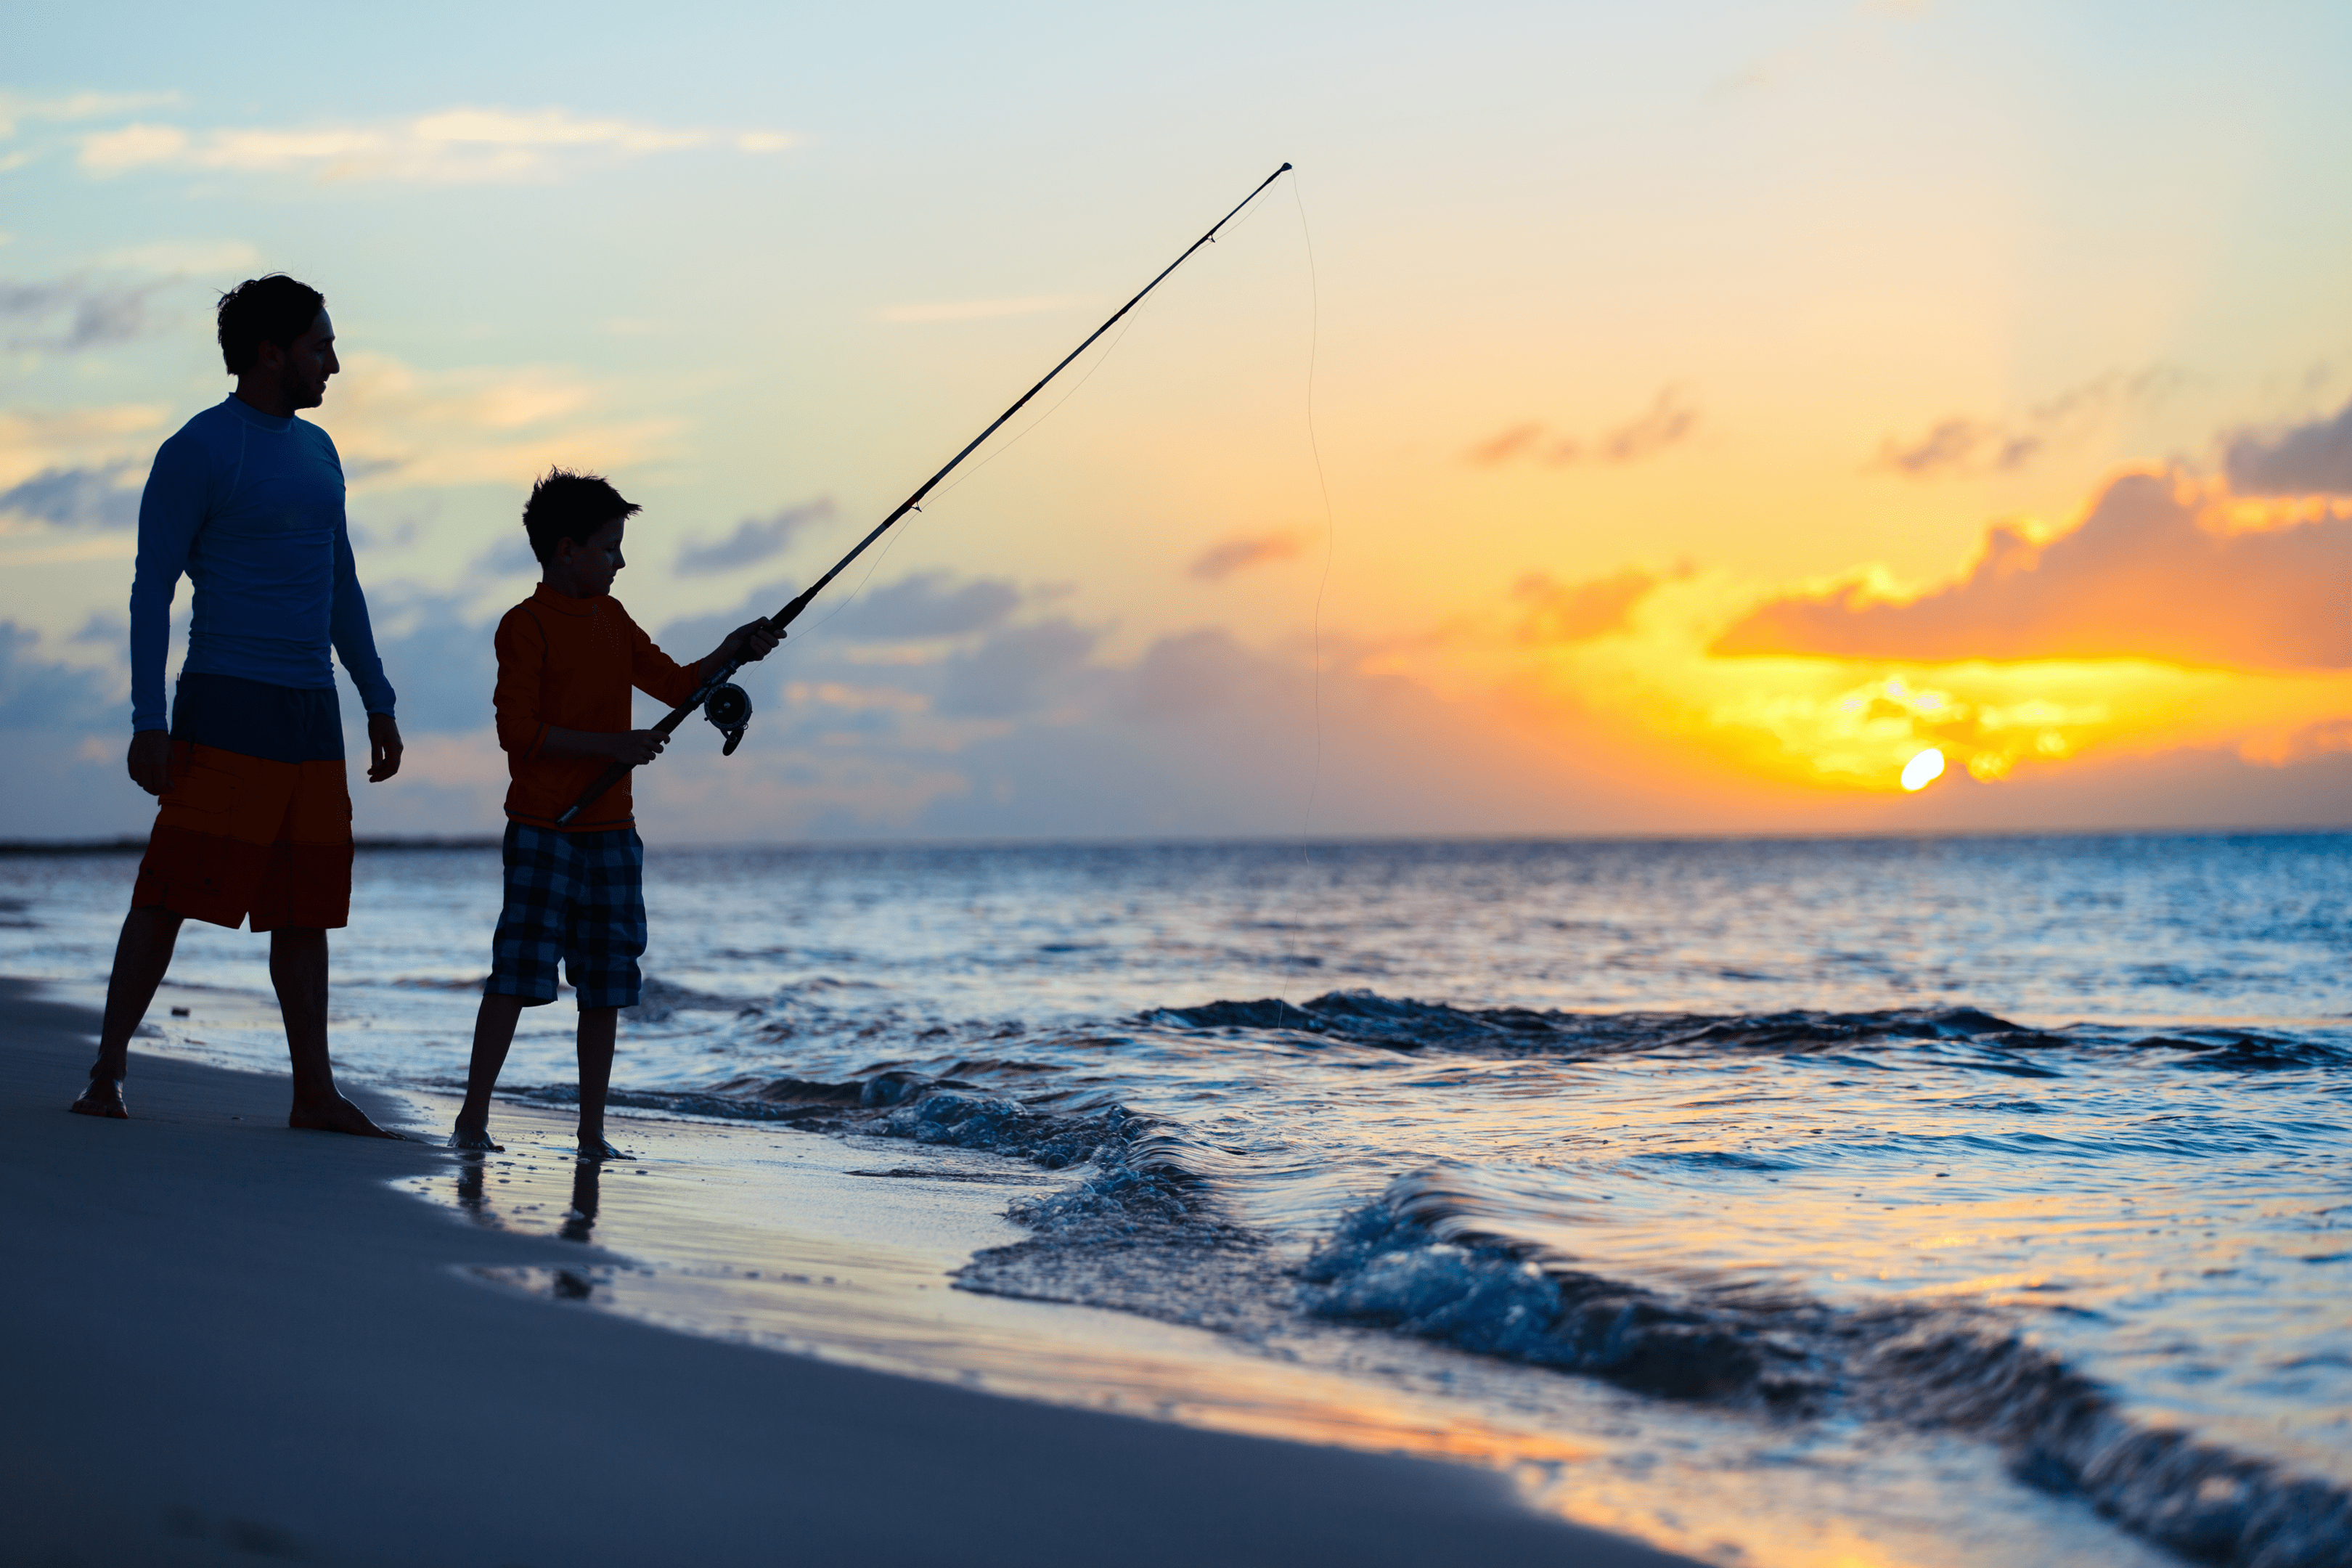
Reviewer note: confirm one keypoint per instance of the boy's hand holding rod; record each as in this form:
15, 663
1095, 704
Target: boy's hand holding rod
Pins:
775, 626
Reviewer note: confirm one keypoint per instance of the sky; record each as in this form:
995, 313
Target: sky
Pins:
1661, 419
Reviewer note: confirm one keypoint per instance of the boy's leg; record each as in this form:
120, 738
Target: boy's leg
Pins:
142, 955
601, 950
541, 887
598, 1027
297, 968
494, 1028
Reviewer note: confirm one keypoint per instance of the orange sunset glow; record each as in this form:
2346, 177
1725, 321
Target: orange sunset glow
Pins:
1643, 428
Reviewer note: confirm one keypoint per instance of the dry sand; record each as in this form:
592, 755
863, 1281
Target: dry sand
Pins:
228, 1340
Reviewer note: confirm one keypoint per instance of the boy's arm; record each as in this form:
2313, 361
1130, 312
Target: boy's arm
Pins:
634, 747
663, 678
523, 732
522, 665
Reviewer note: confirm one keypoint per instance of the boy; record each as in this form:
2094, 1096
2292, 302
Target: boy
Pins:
567, 658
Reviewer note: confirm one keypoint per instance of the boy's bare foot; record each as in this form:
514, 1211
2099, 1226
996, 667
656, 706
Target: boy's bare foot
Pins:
103, 1098
593, 1146
336, 1115
477, 1139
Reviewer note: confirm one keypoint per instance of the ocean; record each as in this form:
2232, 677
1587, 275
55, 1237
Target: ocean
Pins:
1967, 1200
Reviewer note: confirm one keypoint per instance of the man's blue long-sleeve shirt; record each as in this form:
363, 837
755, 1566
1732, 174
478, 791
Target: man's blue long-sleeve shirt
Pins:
251, 508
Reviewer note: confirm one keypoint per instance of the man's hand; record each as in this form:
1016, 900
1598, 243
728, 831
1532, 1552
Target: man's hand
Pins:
748, 644
634, 747
384, 747
151, 760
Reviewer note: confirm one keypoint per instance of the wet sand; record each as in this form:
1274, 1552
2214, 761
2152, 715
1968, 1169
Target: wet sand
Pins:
227, 1340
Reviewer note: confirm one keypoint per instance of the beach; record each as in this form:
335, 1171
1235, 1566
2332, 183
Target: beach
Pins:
233, 1341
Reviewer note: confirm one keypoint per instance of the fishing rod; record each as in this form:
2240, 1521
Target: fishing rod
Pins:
727, 705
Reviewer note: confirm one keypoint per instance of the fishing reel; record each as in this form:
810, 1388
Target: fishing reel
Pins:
729, 709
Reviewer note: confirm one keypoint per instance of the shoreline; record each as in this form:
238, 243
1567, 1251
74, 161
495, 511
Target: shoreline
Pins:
230, 1337
402, 843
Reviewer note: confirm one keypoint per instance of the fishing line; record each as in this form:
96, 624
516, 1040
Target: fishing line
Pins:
1330, 519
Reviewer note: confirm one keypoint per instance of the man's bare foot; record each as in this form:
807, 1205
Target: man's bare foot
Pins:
593, 1146
103, 1098
336, 1115
477, 1139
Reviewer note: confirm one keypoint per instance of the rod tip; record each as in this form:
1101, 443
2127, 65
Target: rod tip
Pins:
1283, 170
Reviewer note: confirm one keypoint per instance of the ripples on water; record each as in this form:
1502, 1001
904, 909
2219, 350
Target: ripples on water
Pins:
2040, 1139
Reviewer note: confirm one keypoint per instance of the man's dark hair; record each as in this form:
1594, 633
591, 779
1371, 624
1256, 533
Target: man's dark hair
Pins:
275, 308
566, 505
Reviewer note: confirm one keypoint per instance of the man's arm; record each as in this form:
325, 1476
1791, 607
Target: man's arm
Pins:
171, 511
354, 641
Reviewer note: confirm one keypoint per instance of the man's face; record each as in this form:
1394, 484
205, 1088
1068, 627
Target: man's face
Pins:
306, 363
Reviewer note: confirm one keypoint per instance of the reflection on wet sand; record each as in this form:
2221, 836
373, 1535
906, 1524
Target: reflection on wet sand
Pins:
581, 1220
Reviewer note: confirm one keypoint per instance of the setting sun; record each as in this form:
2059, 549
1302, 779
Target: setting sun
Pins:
1922, 770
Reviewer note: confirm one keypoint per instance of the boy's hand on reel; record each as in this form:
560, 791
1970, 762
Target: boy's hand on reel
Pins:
749, 643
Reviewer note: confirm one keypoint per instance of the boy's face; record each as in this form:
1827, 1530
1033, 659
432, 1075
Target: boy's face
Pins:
591, 567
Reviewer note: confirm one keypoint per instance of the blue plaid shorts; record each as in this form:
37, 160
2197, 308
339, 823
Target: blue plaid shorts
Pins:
580, 897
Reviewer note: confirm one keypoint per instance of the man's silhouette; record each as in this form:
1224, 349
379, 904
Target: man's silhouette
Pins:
255, 819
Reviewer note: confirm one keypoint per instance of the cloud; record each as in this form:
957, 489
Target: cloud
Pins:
975, 309
1578, 612
16, 107
95, 312
509, 557
33, 440
1668, 422
1192, 673
438, 656
1221, 561
2155, 572
42, 694
1961, 445
106, 495
182, 257
1015, 671
397, 425
928, 604
2307, 459
755, 539
451, 146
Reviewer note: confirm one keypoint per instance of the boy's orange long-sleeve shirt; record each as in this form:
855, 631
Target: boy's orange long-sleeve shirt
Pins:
569, 663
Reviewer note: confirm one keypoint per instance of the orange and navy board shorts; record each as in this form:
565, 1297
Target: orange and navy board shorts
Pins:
240, 837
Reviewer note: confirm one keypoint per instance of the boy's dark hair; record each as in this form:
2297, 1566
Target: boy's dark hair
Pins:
566, 505
275, 308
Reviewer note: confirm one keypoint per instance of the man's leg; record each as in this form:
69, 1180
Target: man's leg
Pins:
598, 1027
298, 967
494, 1028
142, 954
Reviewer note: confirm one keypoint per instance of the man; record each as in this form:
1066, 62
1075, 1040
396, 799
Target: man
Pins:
255, 819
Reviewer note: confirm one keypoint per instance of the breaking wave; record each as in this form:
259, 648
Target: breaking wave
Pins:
1368, 1019
1414, 1261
